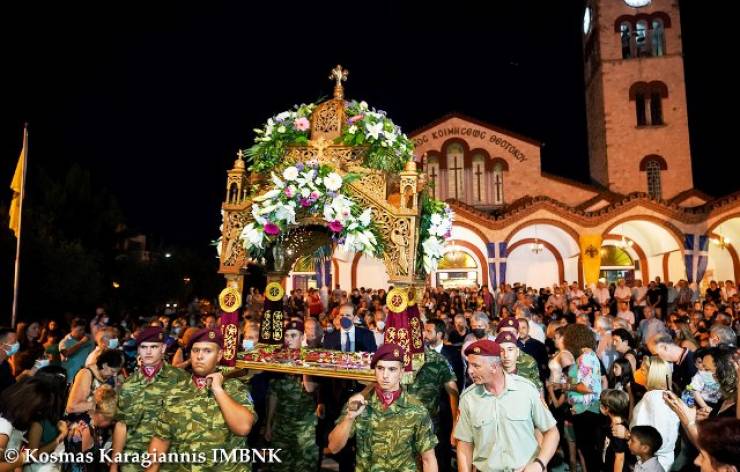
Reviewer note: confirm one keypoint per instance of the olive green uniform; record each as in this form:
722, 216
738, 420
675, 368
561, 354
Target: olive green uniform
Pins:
139, 404
431, 378
391, 440
192, 422
294, 425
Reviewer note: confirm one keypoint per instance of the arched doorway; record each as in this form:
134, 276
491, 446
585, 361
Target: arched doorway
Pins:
304, 274
616, 263
458, 268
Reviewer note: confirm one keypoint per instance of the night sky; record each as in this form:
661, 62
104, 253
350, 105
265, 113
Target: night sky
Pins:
156, 100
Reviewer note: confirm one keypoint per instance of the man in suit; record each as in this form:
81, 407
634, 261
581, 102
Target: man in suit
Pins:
335, 393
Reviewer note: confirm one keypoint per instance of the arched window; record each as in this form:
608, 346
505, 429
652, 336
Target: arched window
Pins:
625, 33
653, 179
641, 36
648, 98
658, 38
455, 171
653, 165
656, 108
479, 179
498, 183
432, 167
640, 108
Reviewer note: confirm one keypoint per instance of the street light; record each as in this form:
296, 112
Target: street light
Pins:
167, 255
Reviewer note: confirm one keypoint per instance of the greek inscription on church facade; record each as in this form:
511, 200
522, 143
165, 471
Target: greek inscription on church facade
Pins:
471, 133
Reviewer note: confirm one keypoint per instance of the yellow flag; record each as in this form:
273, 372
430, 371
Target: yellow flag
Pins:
16, 185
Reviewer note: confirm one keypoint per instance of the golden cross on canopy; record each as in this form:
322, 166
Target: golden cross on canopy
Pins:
340, 75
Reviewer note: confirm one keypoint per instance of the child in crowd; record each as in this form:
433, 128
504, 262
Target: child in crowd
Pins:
616, 405
643, 442
703, 390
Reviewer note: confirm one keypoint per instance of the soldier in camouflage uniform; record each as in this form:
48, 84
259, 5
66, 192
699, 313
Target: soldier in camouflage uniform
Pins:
291, 414
206, 414
392, 427
517, 362
435, 376
142, 396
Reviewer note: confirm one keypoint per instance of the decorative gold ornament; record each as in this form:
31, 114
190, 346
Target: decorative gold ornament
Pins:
230, 299
211, 335
274, 291
397, 300
591, 251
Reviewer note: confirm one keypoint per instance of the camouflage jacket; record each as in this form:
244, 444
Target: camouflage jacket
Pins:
294, 403
192, 422
140, 402
392, 439
430, 379
526, 367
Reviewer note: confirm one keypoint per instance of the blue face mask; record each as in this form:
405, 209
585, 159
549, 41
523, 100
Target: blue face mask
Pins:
113, 343
248, 344
346, 322
13, 348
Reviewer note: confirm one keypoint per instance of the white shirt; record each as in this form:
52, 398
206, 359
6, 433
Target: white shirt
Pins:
15, 437
620, 293
438, 348
536, 331
379, 337
653, 411
575, 294
638, 293
602, 295
628, 316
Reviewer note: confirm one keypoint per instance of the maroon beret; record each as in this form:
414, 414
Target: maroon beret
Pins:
484, 347
509, 322
207, 335
506, 337
388, 352
296, 325
150, 334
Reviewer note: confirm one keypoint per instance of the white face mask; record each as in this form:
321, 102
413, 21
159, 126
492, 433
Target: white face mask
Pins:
380, 325
248, 344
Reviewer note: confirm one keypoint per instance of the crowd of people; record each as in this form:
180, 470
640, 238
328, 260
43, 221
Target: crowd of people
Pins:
615, 378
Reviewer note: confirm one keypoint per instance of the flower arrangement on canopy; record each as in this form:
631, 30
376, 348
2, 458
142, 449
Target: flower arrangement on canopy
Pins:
309, 188
314, 190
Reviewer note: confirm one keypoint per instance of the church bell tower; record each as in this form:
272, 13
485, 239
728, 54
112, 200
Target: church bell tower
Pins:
636, 97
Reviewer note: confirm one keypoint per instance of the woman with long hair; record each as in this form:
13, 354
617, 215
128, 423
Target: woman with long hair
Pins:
557, 395
28, 401
46, 436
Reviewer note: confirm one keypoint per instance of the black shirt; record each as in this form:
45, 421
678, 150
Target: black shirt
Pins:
6, 375
684, 371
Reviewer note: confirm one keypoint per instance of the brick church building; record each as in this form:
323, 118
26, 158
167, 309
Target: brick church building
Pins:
640, 218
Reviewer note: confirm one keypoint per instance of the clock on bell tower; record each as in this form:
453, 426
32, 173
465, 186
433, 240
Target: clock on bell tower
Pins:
636, 97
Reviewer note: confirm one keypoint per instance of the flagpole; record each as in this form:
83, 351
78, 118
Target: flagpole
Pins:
20, 221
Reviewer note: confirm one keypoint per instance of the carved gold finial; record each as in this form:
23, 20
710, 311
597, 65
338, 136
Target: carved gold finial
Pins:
239, 162
319, 144
340, 75
410, 166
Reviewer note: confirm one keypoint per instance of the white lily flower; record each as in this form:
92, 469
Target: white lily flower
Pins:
436, 219
283, 116
352, 129
290, 173
366, 217
269, 195
432, 247
328, 213
305, 192
252, 236
276, 180
256, 214
286, 213
363, 105
370, 237
374, 130
333, 182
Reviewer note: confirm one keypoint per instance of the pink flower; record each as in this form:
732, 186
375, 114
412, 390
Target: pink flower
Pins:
335, 226
271, 229
288, 193
302, 124
356, 118
306, 202
314, 195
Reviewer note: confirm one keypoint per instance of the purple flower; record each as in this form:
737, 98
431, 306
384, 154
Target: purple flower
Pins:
335, 226
271, 229
331, 194
299, 166
306, 202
